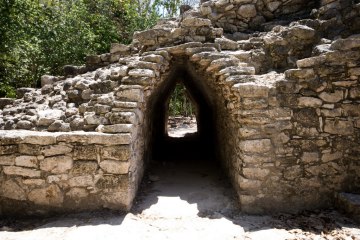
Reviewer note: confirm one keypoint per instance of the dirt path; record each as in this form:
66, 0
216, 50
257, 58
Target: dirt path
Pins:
182, 200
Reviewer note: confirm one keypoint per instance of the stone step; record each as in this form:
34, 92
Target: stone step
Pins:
350, 204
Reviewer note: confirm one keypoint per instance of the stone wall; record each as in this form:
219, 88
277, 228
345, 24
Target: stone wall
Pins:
65, 172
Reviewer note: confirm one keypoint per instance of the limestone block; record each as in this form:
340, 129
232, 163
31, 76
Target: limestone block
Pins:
116, 128
47, 117
328, 157
195, 22
59, 126
77, 194
111, 139
311, 62
57, 150
334, 97
351, 110
251, 90
142, 73
153, 58
272, 6
355, 93
254, 159
115, 167
49, 196
23, 124
86, 152
302, 32
131, 94
81, 181
344, 83
256, 173
84, 167
331, 112
92, 119
20, 171
256, 146
305, 73
340, 127
227, 44
40, 139
181, 49
10, 189
205, 10
118, 47
26, 161
7, 160
34, 182
218, 64
121, 153
292, 173
101, 109
58, 164
345, 44
310, 157
116, 198
118, 72
354, 71
123, 117
309, 102
248, 184
247, 11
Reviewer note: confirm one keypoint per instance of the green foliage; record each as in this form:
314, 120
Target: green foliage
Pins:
39, 37
180, 103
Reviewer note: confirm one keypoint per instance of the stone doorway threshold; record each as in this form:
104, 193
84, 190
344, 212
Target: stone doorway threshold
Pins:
179, 200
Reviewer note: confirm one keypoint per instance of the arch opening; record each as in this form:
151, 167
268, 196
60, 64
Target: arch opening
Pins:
199, 145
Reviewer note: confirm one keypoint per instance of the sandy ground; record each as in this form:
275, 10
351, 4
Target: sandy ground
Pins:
182, 200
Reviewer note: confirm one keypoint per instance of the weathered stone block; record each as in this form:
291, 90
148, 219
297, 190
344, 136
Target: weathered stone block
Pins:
8, 149
328, 157
121, 153
57, 150
58, 164
77, 194
8, 160
307, 117
84, 167
131, 94
49, 196
10, 189
81, 181
123, 117
26, 161
116, 128
142, 73
248, 185
247, 11
256, 173
256, 146
115, 167
310, 157
195, 22
340, 127
20, 171
334, 97
309, 102
86, 152
251, 90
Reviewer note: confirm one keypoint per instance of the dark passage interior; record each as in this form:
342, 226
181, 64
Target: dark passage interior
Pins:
193, 146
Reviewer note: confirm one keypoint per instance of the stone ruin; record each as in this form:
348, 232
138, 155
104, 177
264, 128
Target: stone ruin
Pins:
276, 85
